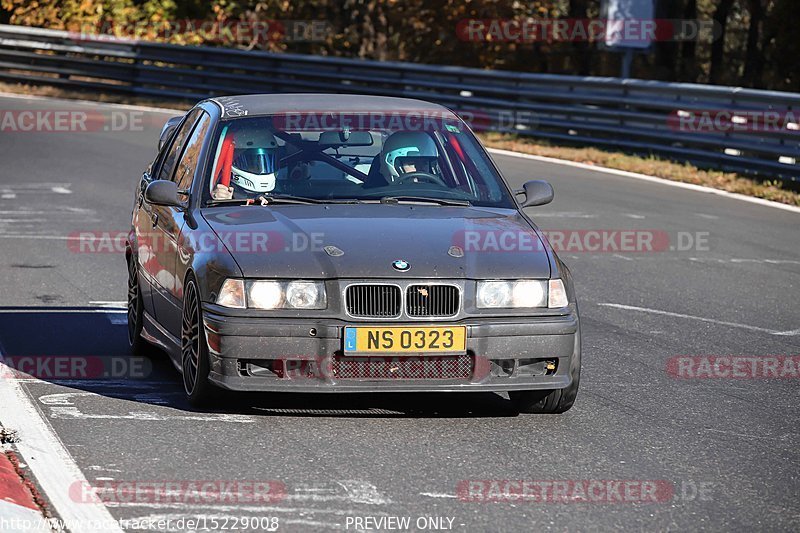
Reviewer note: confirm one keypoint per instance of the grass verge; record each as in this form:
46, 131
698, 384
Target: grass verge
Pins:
652, 166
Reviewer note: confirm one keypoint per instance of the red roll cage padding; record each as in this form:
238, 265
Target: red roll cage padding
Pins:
225, 161
456, 146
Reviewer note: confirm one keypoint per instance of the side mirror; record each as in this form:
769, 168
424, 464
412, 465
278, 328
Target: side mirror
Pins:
167, 130
537, 192
163, 192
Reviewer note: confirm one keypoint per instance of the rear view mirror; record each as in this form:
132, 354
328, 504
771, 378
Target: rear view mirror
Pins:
537, 192
167, 131
163, 192
345, 138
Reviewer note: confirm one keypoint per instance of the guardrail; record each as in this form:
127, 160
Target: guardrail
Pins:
631, 115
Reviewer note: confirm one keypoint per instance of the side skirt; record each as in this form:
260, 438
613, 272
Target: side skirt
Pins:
155, 334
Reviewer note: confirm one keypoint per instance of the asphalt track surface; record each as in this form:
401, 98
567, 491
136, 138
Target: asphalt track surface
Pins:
726, 447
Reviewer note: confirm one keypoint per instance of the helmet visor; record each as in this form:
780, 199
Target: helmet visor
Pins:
415, 163
256, 160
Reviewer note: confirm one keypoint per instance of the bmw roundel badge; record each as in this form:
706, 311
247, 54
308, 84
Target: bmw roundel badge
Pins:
401, 265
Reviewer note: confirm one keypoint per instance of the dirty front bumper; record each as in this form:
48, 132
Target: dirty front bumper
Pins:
305, 355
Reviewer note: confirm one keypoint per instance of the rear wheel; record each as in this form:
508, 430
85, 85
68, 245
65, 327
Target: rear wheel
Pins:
194, 351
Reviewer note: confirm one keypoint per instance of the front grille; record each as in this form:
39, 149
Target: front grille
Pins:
432, 300
373, 301
401, 367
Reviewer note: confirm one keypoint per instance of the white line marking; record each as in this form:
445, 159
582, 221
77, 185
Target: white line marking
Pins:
9, 195
652, 179
738, 260
634, 216
619, 256
73, 413
62, 406
35, 185
363, 492
352, 491
564, 214
699, 318
112, 304
49, 461
437, 495
104, 384
61, 190
47, 237
104, 469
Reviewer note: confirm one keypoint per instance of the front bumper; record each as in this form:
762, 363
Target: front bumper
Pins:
506, 354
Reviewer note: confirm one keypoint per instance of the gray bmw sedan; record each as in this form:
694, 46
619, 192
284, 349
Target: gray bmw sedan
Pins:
343, 243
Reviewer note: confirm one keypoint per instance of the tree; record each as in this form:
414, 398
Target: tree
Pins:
754, 59
718, 45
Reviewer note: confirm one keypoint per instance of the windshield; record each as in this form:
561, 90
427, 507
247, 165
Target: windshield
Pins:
326, 157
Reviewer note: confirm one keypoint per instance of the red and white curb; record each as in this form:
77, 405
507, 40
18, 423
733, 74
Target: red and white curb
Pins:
49, 462
18, 509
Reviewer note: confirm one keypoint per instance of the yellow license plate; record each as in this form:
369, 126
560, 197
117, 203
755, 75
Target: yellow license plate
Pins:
428, 339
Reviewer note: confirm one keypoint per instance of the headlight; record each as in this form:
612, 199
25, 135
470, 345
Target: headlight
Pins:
509, 294
305, 295
264, 294
232, 294
286, 295
268, 294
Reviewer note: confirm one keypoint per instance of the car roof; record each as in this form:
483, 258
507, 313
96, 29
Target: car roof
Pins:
270, 104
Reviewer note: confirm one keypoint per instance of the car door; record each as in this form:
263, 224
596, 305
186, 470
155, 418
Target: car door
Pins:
168, 298
158, 262
142, 226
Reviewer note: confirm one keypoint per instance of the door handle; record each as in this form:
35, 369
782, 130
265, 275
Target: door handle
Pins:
154, 216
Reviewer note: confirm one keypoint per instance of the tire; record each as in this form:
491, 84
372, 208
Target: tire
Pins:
138, 345
555, 401
194, 350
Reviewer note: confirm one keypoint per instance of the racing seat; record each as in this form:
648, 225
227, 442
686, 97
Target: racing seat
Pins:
375, 178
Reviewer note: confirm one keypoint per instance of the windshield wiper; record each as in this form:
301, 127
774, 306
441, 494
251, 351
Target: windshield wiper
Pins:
423, 199
289, 199
229, 201
281, 199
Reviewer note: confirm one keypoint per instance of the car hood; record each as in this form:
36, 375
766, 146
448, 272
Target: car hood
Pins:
436, 241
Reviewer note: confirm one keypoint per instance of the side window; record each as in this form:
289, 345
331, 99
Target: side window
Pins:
167, 168
188, 163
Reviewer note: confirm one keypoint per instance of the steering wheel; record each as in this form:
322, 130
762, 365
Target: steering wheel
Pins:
423, 177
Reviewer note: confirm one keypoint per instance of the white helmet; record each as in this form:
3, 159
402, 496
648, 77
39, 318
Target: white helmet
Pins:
411, 144
255, 160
